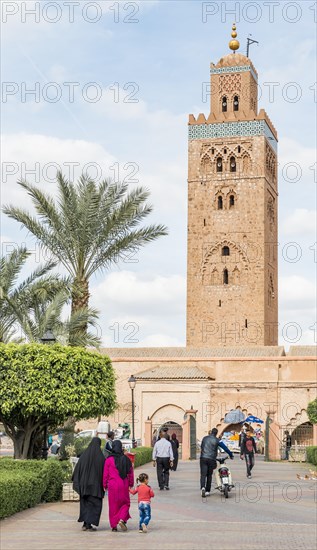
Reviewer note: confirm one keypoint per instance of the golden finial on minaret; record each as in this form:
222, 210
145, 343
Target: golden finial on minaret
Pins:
234, 44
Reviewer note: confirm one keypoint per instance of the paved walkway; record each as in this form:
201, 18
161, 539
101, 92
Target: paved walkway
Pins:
274, 511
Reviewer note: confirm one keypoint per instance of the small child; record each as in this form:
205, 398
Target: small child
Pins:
145, 493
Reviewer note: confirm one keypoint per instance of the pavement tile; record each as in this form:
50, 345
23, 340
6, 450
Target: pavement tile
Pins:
274, 510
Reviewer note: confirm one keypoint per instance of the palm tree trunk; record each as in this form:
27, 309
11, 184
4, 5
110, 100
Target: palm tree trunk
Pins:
80, 299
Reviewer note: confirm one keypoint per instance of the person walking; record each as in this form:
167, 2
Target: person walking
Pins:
287, 440
208, 455
145, 493
108, 446
244, 430
163, 460
87, 482
118, 478
248, 450
175, 446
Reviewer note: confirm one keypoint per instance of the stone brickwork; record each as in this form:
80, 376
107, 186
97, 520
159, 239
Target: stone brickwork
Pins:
232, 215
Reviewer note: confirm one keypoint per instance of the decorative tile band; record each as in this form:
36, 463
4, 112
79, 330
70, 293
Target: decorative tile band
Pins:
232, 129
236, 69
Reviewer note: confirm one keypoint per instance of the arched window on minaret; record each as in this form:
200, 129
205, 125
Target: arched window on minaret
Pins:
220, 202
225, 276
233, 164
224, 104
231, 201
236, 103
219, 164
225, 251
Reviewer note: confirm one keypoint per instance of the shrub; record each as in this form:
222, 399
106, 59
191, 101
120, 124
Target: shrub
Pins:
312, 411
20, 490
24, 484
143, 455
67, 470
81, 444
55, 481
311, 453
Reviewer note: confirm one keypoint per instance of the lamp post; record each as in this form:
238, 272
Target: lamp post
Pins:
132, 382
47, 338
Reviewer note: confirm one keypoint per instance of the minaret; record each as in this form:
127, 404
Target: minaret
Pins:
232, 213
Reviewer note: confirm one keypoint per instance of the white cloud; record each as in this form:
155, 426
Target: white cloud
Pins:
297, 317
291, 152
301, 221
36, 158
297, 294
141, 309
139, 294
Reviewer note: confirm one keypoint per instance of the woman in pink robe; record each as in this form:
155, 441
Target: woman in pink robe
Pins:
117, 478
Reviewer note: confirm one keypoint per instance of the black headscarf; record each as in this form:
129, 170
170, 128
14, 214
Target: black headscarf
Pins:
123, 463
88, 473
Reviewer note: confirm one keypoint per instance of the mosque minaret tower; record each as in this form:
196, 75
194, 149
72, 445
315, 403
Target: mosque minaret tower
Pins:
232, 213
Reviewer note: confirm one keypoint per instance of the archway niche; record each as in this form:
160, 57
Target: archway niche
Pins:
171, 417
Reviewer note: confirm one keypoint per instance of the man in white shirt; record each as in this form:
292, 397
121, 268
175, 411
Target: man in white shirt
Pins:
163, 459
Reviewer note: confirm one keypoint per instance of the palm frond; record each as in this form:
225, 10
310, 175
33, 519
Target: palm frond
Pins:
10, 268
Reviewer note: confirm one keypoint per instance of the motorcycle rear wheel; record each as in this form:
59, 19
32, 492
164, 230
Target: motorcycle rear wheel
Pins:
226, 491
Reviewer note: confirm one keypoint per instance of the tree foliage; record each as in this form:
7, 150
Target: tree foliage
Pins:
15, 300
312, 411
37, 303
44, 385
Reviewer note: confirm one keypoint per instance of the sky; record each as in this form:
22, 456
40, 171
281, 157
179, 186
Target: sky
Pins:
106, 88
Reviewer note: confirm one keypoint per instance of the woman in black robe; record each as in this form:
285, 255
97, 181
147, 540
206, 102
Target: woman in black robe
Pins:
87, 482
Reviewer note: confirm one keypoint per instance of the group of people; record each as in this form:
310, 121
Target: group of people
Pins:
112, 471
94, 474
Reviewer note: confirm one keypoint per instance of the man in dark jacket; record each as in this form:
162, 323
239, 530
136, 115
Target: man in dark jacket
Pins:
248, 448
208, 455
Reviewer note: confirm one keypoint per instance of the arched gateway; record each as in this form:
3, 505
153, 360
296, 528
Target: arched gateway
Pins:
170, 417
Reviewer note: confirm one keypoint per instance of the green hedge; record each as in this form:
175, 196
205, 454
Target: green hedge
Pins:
81, 444
311, 453
143, 455
20, 490
25, 483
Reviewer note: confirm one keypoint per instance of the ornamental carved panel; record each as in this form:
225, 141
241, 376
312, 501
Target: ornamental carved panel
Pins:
230, 83
270, 163
270, 211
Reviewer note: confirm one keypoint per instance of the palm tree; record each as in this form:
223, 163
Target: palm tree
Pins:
46, 313
37, 303
14, 300
88, 228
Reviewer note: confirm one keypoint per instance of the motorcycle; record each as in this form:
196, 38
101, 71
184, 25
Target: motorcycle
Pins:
223, 477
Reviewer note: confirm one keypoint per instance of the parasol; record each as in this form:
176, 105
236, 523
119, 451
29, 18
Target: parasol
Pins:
255, 419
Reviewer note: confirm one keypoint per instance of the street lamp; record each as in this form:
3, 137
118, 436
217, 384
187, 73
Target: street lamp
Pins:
47, 338
132, 382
